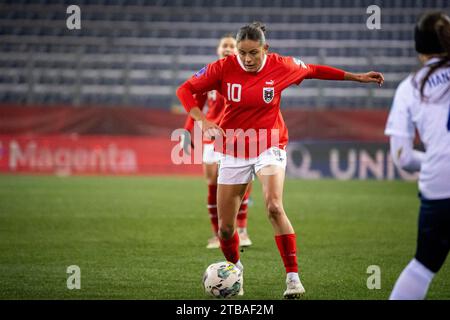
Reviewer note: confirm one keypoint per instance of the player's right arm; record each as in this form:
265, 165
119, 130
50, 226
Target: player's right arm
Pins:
186, 141
201, 100
205, 80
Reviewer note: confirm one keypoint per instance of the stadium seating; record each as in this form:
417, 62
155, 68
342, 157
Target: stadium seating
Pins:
136, 52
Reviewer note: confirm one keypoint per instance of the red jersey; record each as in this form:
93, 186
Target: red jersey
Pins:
252, 115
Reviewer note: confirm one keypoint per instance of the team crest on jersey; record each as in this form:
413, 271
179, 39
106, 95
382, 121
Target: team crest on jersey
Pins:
268, 94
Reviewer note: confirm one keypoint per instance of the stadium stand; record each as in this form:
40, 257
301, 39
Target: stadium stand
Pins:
136, 52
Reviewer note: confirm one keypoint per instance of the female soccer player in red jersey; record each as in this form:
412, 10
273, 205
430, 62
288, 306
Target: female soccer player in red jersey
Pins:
216, 107
252, 82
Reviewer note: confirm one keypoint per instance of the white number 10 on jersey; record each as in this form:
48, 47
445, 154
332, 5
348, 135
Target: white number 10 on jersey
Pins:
234, 92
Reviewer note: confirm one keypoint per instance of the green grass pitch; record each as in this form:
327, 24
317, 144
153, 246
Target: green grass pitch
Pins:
145, 237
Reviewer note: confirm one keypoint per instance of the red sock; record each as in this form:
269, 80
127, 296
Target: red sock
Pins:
212, 207
230, 248
242, 214
287, 246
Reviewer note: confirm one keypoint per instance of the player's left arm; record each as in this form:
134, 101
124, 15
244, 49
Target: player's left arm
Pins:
330, 73
367, 77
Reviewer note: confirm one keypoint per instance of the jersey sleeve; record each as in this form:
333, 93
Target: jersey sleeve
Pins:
324, 72
207, 79
297, 69
300, 71
400, 121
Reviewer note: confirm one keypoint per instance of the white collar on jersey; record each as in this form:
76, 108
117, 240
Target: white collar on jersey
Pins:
432, 60
260, 68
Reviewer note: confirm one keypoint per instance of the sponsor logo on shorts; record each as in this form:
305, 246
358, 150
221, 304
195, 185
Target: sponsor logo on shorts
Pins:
278, 155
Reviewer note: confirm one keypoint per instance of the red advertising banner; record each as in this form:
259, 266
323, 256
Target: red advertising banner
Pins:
348, 125
85, 120
75, 154
69, 140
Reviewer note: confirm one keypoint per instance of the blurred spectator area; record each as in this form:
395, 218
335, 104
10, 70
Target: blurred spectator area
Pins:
136, 52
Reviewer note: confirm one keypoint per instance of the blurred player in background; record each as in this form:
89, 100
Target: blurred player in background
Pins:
422, 102
252, 82
215, 110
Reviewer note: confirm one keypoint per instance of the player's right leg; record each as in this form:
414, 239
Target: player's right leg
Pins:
229, 199
210, 170
433, 245
228, 202
233, 179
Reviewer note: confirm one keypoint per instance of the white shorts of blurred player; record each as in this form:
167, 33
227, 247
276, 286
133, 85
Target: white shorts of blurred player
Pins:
209, 155
241, 171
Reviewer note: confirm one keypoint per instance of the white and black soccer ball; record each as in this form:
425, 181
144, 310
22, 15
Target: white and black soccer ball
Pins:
222, 280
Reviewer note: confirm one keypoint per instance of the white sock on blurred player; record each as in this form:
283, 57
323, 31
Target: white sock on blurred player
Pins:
242, 230
292, 276
413, 282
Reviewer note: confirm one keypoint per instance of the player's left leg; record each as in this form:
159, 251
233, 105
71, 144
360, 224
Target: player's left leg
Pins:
272, 180
433, 245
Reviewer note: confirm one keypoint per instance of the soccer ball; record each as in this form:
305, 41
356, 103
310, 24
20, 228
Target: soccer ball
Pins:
222, 280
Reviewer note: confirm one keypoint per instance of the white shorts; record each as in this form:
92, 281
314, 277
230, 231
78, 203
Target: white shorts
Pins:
241, 171
209, 155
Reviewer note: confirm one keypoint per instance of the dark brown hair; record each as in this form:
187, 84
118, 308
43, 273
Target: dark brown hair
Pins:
254, 31
435, 24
